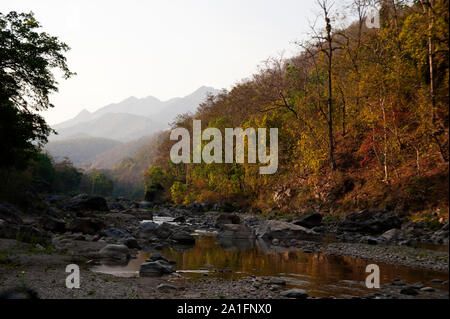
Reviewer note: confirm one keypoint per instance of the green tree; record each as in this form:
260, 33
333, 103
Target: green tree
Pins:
27, 59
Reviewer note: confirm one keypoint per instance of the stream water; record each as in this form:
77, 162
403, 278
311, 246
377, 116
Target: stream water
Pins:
319, 274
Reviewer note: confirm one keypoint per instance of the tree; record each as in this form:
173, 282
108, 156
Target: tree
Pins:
27, 59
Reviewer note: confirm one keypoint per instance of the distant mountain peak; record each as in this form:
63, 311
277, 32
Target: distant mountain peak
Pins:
129, 99
83, 113
137, 116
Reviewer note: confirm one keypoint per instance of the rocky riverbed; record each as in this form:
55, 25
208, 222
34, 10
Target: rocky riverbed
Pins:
129, 249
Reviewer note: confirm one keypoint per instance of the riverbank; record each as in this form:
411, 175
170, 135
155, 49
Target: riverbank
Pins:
215, 254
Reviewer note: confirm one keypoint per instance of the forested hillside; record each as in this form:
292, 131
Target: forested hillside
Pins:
128, 174
80, 150
362, 116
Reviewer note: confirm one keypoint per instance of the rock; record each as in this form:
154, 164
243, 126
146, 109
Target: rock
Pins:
410, 291
417, 285
277, 281
158, 256
115, 206
52, 224
295, 293
10, 214
223, 207
145, 204
86, 202
282, 230
275, 288
309, 221
275, 241
155, 269
39, 247
166, 287
86, 225
164, 230
441, 236
319, 229
391, 235
147, 229
371, 222
183, 237
236, 232
371, 240
130, 242
427, 289
116, 233
398, 282
436, 281
199, 207
54, 199
180, 219
115, 252
227, 219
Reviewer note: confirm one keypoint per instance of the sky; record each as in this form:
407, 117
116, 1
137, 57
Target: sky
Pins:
163, 48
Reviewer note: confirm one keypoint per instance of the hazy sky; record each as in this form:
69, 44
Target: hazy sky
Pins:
164, 48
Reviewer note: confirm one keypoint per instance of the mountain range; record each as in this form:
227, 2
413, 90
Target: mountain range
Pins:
120, 128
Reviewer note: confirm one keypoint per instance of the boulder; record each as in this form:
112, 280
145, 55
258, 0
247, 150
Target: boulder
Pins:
115, 252
199, 207
309, 221
283, 230
116, 233
86, 225
52, 224
121, 237
223, 207
150, 229
115, 206
236, 231
295, 293
183, 237
130, 242
164, 231
227, 219
409, 291
155, 269
158, 256
370, 240
370, 222
87, 203
180, 219
277, 281
147, 229
391, 235
10, 214
441, 236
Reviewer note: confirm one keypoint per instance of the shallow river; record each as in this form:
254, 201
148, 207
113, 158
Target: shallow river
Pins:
317, 273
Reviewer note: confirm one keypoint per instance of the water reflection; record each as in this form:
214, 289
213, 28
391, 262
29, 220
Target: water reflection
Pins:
321, 275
